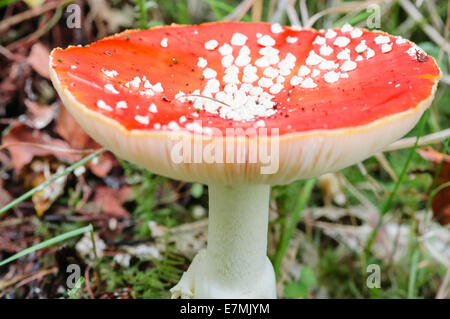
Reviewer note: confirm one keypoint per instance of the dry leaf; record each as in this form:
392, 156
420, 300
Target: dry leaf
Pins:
39, 115
188, 238
72, 132
441, 201
332, 189
433, 156
115, 18
69, 130
5, 197
22, 155
111, 200
103, 164
39, 59
43, 199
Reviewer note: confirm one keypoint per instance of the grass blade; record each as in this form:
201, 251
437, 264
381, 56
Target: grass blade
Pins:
47, 243
387, 206
50, 181
413, 274
72, 293
302, 201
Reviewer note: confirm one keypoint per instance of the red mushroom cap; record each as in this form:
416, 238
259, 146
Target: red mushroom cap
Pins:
341, 86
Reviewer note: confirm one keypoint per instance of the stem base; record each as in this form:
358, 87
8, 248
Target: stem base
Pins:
198, 283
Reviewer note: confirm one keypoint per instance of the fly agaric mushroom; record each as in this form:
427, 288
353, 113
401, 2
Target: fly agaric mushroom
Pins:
329, 98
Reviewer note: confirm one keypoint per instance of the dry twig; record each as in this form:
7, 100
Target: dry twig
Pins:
34, 12
240, 11
434, 138
432, 33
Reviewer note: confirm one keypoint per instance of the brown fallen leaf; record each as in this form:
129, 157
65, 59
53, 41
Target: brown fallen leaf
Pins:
5, 197
12, 82
332, 189
102, 165
39, 59
22, 155
71, 131
111, 200
42, 170
440, 203
431, 155
39, 115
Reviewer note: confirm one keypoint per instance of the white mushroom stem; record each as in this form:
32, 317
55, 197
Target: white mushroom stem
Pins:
235, 263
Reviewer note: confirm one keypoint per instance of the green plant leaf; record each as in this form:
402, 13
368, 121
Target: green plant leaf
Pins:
307, 277
300, 288
73, 292
296, 290
197, 190
4, 3
287, 235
